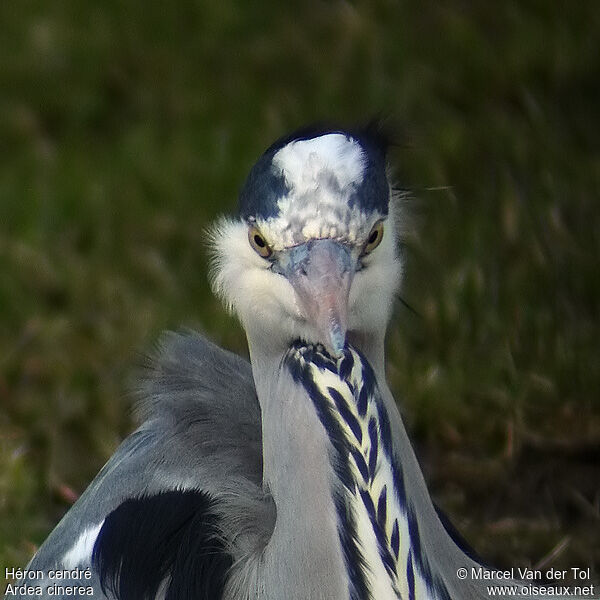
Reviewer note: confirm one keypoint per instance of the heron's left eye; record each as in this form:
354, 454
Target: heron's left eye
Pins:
258, 242
374, 238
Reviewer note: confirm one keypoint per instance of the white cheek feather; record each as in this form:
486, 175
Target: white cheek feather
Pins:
244, 281
373, 290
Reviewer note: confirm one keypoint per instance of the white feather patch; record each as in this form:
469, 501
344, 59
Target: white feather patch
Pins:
304, 162
81, 551
321, 174
383, 585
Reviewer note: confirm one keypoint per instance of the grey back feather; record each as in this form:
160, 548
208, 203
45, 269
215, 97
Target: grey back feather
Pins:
204, 400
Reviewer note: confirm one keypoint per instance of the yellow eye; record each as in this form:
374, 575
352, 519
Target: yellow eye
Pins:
374, 238
258, 242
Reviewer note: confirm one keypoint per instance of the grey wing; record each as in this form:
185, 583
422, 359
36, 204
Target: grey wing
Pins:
186, 483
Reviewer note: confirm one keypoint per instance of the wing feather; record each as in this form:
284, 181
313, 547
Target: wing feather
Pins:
201, 432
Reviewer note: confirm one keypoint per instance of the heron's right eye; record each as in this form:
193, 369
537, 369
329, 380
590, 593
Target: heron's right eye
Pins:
375, 237
258, 242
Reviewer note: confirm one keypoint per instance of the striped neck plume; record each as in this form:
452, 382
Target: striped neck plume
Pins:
377, 525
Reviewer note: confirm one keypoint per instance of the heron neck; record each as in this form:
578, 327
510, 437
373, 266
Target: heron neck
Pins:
303, 555
316, 443
332, 454
328, 464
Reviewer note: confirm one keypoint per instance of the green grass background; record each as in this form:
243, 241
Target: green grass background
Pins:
126, 127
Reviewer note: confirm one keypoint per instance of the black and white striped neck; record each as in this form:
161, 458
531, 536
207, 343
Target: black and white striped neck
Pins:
377, 525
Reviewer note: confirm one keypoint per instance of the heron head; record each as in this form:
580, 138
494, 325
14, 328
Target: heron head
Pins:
312, 255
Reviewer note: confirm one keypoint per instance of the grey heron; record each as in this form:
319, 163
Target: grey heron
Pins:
292, 476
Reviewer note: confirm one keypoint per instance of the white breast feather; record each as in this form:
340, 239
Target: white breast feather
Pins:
383, 586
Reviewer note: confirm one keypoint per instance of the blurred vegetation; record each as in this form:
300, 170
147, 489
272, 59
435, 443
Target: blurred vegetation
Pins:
125, 127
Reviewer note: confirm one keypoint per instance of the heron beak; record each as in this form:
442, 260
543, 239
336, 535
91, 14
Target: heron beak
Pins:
320, 272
